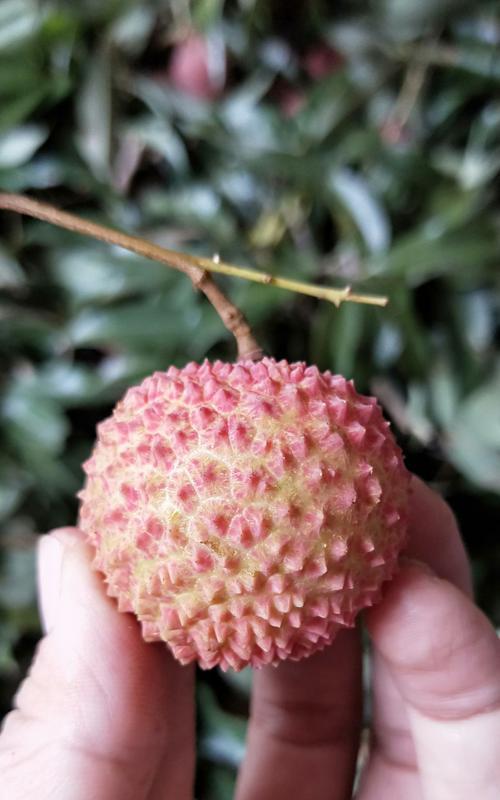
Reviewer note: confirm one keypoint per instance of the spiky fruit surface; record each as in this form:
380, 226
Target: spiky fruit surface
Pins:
245, 512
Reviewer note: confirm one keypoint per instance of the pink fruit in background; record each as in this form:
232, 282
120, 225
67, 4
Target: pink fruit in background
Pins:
190, 70
290, 99
321, 60
245, 512
318, 62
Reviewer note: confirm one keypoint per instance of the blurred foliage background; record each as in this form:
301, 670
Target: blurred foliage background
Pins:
348, 142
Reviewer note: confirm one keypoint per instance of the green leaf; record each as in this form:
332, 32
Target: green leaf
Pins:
22, 328
95, 274
416, 355
241, 681
20, 20
161, 138
17, 578
194, 114
223, 735
94, 114
206, 13
471, 169
221, 783
34, 424
119, 371
11, 274
480, 464
482, 60
8, 638
18, 109
19, 144
250, 123
153, 325
345, 338
473, 436
404, 19
354, 193
388, 344
68, 383
12, 488
444, 393
430, 253
194, 205
132, 29
417, 413
477, 309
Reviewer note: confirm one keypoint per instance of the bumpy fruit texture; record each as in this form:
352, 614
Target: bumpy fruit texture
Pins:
245, 512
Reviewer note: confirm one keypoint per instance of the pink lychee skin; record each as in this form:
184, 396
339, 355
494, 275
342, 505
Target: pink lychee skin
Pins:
245, 512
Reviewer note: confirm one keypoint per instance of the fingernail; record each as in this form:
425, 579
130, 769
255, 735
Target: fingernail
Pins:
50, 557
51, 550
414, 563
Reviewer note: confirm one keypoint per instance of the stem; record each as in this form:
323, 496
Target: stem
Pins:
432, 53
230, 315
197, 269
335, 296
410, 91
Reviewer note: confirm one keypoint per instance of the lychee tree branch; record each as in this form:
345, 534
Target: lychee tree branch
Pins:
409, 94
196, 268
230, 315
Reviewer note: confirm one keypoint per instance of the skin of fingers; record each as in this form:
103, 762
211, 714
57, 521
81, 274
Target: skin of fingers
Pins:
304, 727
442, 540
101, 714
434, 538
444, 657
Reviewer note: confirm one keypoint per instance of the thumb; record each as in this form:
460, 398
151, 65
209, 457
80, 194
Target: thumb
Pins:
443, 655
95, 716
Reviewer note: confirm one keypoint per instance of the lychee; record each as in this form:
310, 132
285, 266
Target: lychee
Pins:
245, 512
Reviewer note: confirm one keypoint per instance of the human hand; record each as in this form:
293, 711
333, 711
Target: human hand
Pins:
101, 715
104, 716
435, 687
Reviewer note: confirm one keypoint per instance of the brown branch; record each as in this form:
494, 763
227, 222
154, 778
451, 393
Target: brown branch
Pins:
196, 268
410, 91
230, 315
182, 261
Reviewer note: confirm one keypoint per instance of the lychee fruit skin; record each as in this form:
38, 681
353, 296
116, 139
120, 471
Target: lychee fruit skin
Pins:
245, 512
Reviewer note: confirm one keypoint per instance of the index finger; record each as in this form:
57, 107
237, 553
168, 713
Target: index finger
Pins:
444, 658
434, 538
304, 726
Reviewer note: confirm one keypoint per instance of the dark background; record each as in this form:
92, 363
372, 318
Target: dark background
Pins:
347, 142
